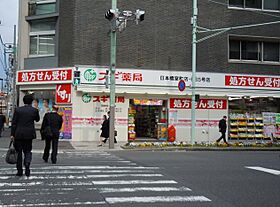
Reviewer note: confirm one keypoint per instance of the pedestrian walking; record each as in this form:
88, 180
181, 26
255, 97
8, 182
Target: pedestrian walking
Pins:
104, 131
54, 121
2, 123
23, 132
223, 129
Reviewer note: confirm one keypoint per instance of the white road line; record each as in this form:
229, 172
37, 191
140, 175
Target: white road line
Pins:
132, 182
47, 172
45, 189
152, 189
267, 170
20, 184
124, 175
92, 167
155, 199
56, 204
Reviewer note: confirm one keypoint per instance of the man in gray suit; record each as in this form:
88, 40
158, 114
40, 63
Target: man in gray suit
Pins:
23, 132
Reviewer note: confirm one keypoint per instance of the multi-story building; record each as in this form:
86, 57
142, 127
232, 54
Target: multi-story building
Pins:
237, 71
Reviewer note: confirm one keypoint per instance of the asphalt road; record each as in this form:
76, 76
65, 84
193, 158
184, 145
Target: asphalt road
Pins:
123, 178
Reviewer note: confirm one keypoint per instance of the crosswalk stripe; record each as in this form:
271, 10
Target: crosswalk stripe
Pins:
56, 204
267, 170
113, 200
85, 167
152, 189
20, 184
124, 175
26, 189
132, 182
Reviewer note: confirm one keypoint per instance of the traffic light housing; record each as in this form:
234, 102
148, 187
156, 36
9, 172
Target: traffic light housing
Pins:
77, 78
140, 15
110, 14
197, 97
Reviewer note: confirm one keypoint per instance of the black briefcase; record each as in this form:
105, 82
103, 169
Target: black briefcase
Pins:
11, 156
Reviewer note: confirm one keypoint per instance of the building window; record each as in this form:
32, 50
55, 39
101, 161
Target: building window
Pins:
254, 51
42, 7
42, 38
273, 5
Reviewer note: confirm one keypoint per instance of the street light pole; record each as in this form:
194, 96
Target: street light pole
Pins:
194, 42
112, 78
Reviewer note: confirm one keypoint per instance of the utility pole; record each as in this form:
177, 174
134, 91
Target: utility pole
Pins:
112, 77
194, 42
118, 22
14, 72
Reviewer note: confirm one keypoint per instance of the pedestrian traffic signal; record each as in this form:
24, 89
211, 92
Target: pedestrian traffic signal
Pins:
77, 78
110, 14
197, 97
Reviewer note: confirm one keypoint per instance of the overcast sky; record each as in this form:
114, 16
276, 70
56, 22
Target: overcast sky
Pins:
8, 18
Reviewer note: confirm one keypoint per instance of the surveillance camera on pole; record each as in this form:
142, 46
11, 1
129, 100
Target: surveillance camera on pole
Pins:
110, 14
139, 14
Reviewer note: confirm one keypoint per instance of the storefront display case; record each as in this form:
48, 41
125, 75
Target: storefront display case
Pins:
245, 126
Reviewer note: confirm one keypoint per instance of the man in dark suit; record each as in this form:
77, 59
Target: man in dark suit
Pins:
54, 121
223, 129
23, 132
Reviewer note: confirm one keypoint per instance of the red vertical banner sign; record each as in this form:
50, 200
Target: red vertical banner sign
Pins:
63, 94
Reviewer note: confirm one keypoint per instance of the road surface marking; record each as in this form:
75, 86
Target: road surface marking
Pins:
267, 170
56, 204
57, 167
20, 184
124, 175
113, 200
155, 189
132, 182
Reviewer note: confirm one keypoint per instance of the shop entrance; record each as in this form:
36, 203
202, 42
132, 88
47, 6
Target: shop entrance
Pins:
147, 119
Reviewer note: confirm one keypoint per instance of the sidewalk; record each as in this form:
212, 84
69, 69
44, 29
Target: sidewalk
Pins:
63, 145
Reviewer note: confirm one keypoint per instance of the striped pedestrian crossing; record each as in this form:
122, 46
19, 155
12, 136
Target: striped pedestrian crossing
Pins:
107, 182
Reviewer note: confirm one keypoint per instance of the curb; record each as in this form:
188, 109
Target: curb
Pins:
200, 149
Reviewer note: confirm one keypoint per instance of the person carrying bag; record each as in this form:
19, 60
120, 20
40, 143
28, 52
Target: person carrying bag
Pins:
11, 156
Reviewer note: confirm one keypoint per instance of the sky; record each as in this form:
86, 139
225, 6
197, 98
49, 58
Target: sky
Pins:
8, 18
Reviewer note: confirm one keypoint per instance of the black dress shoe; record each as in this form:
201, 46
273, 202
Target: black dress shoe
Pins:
27, 172
19, 173
45, 160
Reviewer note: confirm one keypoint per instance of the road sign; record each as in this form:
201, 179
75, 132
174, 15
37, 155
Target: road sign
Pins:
181, 85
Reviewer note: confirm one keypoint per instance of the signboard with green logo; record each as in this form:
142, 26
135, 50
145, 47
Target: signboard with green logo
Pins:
86, 98
277, 118
88, 75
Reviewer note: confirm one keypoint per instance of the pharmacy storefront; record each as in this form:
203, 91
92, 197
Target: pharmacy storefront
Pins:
149, 101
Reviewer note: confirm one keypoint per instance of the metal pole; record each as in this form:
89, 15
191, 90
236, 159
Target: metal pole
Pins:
14, 72
194, 31
112, 78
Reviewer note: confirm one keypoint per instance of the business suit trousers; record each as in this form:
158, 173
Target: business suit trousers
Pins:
48, 143
223, 136
25, 147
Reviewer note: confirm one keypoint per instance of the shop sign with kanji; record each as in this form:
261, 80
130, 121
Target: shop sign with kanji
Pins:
44, 76
63, 94
252, 81
184, 103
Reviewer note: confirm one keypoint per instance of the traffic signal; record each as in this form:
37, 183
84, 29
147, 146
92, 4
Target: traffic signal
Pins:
197, 97
140, 14
77, 78
110, 14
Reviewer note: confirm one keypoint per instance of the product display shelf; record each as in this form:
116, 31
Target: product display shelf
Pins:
246, 128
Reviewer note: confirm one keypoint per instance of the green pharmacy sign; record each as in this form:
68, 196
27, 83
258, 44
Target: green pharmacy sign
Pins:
90, 75
86, 98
